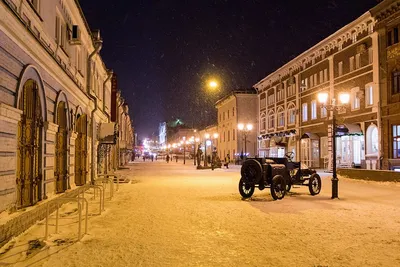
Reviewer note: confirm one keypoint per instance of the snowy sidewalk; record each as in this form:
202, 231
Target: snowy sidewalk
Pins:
175, 215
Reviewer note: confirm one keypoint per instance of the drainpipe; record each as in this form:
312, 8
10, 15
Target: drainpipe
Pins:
109, 75
98, 44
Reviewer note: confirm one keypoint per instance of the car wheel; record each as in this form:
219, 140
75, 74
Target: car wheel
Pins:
278, 187
246, 189
314, 184
251, 171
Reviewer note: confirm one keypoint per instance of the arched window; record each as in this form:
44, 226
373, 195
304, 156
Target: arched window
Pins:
281, 117
263, 122
372, 140
291, 114
271, 120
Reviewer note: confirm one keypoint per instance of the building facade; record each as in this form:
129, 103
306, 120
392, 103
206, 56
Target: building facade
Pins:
237, 107
55, 102
387, 16
292, 120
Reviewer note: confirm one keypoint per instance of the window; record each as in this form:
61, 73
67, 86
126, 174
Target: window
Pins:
321, 76
393, 36
340, 68
372, 139
291, 90
233, 135
228, 113
396, 141
369, 93
304, 84
233, 112
271, 99
263, 122
370, 55
355, 99
220, 117
281, 118
358, 61
304, 112
396, 82
281, 94
324, 112
229, 136
34, 4
292, 115
223, 116
351, 63
311, 82
78, 59
354, 37
57, 30
326, 75
271, 123
224, 137
313, 109
262, 101
315, 79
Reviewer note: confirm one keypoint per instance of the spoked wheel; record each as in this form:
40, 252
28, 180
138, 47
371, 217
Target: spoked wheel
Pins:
246, 190
314, 184
278, 187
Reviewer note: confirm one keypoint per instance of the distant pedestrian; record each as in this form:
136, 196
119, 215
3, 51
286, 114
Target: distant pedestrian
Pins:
156, 157
152, 158
227, 160
144, 158
176, 158
167, 158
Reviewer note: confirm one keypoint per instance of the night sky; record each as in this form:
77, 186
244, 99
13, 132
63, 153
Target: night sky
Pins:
165, 51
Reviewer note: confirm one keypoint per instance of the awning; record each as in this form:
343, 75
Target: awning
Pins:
348, 129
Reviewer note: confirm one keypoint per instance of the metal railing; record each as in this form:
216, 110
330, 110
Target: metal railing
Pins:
68, 199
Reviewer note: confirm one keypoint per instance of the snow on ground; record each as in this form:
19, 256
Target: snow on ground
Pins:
174, 215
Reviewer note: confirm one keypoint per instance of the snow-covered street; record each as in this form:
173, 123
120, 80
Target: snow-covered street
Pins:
174, 215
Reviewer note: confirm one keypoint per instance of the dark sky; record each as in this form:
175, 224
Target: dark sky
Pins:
164, 51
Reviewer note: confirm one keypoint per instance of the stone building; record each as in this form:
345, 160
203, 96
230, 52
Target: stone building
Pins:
55, 97
291, 119
387, 16
237, 107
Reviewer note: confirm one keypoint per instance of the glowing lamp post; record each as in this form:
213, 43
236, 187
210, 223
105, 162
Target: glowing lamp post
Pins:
344, 99
245, 129
206, 137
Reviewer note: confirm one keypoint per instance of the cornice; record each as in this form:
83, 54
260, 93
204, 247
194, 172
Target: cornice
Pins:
335, 40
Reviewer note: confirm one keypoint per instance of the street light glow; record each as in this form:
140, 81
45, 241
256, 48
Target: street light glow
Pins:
213, 84
215, 135
323, 97
241, 126
207, 135
249, 126
344, 98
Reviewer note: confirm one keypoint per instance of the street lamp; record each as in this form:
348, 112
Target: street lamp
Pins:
245, 129
196, 141
344, 99
207, 135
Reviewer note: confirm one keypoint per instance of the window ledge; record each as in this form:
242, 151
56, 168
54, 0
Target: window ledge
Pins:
35, 11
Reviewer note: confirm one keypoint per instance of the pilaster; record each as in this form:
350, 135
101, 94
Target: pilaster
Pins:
9, 118
49, 156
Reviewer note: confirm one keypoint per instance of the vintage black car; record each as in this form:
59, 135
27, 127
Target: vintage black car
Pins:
261, 173
299, 174
279, 174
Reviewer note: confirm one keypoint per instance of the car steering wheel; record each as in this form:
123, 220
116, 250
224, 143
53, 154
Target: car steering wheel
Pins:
289, 155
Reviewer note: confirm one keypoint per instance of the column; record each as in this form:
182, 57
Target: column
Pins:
71, 155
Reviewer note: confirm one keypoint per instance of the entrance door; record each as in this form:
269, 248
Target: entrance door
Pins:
29, 154
310, 152
81, 151
61, 173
